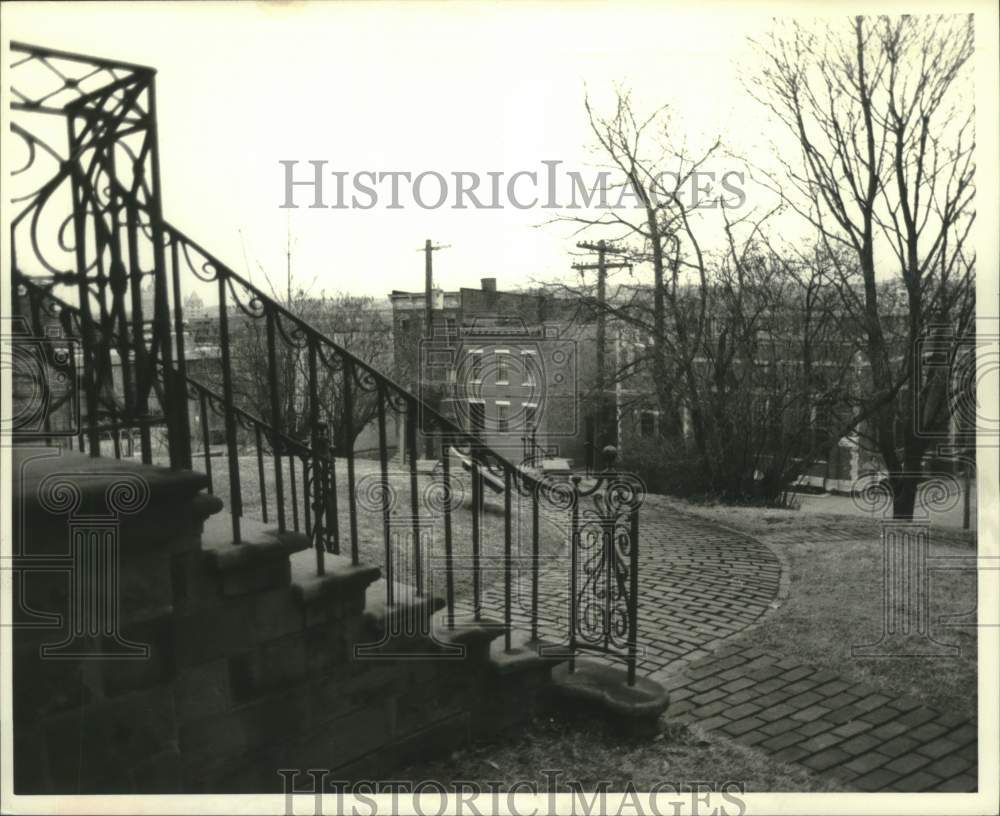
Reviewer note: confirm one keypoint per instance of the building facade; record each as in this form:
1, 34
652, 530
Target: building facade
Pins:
510, 367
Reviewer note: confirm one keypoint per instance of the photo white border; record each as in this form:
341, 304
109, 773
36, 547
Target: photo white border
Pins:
987, 59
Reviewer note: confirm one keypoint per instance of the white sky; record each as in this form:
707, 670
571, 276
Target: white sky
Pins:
477, 87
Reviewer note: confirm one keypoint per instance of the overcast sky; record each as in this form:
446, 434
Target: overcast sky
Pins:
412, 88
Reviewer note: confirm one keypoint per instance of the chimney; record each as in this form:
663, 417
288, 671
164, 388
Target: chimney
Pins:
489, 284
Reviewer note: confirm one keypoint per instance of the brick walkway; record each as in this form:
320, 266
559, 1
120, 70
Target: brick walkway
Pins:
700, 584
850, 731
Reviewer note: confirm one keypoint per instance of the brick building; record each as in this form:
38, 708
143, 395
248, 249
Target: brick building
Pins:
514, 367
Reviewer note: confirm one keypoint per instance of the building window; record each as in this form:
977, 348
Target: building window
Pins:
503, 367
477, 416
529, 364
503, 417
530, 416
476, 365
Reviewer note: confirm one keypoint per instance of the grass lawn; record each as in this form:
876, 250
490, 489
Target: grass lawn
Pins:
834, 564
583, 749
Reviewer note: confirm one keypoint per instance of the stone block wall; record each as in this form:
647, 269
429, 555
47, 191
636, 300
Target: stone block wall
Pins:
251, 662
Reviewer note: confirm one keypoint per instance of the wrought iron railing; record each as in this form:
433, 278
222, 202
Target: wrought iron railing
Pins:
115, 289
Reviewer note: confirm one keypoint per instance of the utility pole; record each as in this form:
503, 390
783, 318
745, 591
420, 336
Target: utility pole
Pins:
618, 393
603, 249
288, 259
429, 249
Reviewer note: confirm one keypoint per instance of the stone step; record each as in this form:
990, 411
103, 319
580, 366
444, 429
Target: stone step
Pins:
637, 707
339, 575
256, 539
259, 562
524, 654
405, 602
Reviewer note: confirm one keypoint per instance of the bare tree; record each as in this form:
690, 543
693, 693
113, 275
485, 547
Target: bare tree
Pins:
882, 111
659, 177
731, 333
353, 322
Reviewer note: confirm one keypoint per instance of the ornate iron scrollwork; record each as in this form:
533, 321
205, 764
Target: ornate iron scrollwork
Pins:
604, 561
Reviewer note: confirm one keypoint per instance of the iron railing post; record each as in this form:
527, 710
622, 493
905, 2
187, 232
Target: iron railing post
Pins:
87, 337
383, 460
181, 403
633, 610
321, 455
175, 383
235, 497
410, 419
449, 575
574, 548
476, 519
276, 424
507, 559
348, 438
206, 438
535, 566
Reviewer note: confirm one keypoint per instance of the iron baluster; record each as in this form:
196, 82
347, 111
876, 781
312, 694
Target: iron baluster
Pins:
476, 512
507, 563
259, 438
272, 383
574, 558
139, 356
206, 438
307, 497
384, 470
175, 382
633, 601
182, 377
321, 452
305, 494
332, 507
116, 442
235, 497
449, 575
535, 566
294, 491
312, 387
175, 276
352, 502
608, 554
411, 445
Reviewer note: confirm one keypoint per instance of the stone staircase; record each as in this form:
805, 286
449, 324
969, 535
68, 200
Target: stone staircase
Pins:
246, 660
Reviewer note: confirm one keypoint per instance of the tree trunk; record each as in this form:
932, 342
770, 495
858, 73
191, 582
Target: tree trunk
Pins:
904, 495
